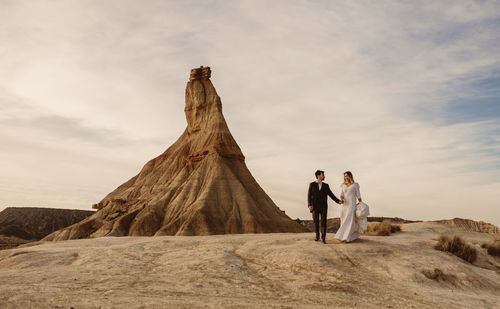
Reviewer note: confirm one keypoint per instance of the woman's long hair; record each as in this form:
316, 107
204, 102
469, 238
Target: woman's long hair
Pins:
349, 174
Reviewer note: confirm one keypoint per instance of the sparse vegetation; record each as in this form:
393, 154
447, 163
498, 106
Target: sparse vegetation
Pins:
384, 228
438, 275
457, 246
435, 274
492, 248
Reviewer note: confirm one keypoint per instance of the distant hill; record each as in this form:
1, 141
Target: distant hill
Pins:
471, 225
333, 224
24, 224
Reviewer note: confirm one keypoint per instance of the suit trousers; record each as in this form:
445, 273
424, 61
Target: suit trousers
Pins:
316, 219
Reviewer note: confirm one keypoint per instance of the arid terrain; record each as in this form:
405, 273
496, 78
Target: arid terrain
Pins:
285, 270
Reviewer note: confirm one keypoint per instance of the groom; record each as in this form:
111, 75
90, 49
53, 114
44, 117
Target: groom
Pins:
317, 201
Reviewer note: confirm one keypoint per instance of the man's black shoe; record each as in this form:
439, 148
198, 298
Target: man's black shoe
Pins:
324, 241
316, 239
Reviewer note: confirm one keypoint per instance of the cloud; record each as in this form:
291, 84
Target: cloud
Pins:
401, 93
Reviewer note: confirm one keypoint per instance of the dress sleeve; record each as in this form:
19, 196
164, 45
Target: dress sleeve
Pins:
358, 194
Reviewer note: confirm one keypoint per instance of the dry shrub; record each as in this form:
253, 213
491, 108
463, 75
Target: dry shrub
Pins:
457, 246
493, 248
435, 274
439, 276
384, 228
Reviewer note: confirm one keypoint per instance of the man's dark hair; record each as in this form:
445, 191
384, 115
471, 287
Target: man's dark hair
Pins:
318, 172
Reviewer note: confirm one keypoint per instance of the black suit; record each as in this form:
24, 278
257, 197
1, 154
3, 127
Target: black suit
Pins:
318, 200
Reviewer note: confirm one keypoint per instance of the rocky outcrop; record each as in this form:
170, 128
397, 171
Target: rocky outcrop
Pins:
471, 225
199, 186
20, 225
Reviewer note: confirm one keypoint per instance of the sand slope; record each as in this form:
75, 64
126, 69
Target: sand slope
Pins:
250, 271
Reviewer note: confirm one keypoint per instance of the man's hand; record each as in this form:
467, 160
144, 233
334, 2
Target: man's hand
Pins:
310, 208
341, 201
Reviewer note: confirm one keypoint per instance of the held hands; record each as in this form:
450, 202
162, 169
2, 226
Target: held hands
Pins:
341, 201
310, 208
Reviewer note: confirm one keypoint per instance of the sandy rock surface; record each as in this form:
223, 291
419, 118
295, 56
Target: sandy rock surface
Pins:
250, 271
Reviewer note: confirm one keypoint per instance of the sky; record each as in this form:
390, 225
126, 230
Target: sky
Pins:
404, 94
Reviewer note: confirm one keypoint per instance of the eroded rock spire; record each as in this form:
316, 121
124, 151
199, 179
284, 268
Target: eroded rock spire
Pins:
199, 186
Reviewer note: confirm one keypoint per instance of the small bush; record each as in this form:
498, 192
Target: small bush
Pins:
384, 228
435, 274
395, 228
492, 248
456, 246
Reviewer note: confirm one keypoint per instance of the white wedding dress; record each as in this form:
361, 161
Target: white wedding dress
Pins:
351, 226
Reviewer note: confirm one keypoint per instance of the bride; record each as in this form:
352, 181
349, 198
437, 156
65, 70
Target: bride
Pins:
350, 227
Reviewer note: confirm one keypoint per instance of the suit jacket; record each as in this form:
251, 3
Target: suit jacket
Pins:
318, 198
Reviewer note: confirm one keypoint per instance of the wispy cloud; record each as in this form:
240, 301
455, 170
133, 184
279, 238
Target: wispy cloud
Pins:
404, 94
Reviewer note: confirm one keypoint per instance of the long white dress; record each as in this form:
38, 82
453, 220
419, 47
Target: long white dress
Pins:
349, 229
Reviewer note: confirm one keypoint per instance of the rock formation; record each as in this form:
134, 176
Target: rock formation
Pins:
471, 225
199, 186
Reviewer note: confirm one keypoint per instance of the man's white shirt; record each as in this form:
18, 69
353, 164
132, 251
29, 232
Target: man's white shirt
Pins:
319, 185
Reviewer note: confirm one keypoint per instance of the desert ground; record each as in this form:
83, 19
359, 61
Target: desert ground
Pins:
250, 271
